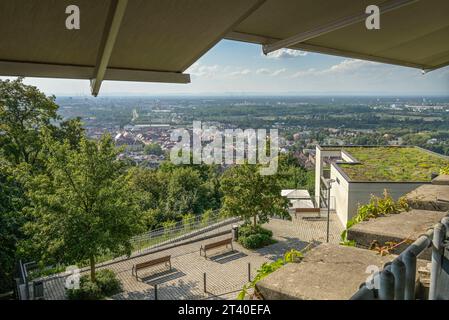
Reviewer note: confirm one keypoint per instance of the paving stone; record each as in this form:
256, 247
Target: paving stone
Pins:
226, 272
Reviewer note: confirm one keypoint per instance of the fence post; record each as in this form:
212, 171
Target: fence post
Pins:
386, 290
409, 260
155, 292
249, 271
437, 253
204, 282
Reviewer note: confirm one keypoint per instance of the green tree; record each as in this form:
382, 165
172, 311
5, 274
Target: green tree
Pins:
291, 175
71, 130
11, 219
24, 112
252, 196
184, 192
83, 206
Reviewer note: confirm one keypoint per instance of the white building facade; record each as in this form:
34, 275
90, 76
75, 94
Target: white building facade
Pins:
348, 194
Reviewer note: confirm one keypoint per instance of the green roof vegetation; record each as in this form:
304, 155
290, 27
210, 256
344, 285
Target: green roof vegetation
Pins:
392, 164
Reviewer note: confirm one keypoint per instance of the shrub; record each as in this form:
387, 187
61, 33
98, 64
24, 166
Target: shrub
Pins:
252, 237
187, 221
378, 206
292, 256
207, 215
445, 170
106, 285
248, 229
168, 226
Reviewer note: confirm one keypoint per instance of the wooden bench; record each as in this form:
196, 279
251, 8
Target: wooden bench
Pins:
139, 266
214, 245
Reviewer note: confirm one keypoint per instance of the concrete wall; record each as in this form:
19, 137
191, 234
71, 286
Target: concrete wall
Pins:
340, 194
360, 193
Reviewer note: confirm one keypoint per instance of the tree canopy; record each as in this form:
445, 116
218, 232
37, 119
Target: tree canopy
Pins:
81, 206
252, 196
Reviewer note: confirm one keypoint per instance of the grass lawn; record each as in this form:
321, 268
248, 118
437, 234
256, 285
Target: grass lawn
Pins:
392, 164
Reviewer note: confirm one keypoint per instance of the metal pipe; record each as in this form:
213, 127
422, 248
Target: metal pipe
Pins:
249, 271
155, 292
405, 282
328, 212
329, 186
386, 290
437, 258
445, 222
364, 294
409, 260
204, 282
398, 269
422, 243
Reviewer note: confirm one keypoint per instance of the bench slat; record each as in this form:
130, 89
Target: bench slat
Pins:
152, 262
218, 244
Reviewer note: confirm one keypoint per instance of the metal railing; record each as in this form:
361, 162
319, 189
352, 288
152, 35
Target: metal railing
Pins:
397, 280
180, 230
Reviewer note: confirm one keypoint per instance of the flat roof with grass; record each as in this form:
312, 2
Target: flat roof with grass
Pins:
392, 164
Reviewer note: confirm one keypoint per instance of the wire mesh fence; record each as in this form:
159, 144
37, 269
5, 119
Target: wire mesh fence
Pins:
179, 231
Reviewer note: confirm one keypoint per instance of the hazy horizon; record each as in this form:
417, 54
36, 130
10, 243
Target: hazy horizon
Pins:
235, 68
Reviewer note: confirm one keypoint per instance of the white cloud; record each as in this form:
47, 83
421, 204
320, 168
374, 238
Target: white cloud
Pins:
216, 71
286, 53
278, 72
346, 67
350, 65
263, 71
268, 72
238, 73
203, 71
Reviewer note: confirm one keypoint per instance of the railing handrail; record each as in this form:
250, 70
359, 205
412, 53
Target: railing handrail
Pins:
403, 268
180, 225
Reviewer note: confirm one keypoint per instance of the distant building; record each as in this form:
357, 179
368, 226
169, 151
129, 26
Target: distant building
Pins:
129, 141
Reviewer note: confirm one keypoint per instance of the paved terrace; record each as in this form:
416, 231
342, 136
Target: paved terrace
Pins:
226, 271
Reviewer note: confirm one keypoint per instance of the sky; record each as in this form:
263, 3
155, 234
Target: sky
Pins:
237, 68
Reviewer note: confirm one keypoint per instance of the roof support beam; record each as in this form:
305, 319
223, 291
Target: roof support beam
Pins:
253, 38
118, 9
45, 70
332, 26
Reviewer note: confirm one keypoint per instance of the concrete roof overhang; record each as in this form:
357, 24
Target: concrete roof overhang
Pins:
156, 41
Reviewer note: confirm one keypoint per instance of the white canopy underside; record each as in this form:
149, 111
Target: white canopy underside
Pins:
156, 41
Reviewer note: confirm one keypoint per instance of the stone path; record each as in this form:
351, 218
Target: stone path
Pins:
226, 272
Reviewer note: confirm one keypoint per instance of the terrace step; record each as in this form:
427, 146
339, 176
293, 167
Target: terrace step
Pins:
395, 228
430, 197
327, 272
441, 180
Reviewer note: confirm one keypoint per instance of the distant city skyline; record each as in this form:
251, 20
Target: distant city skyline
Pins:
236, 68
